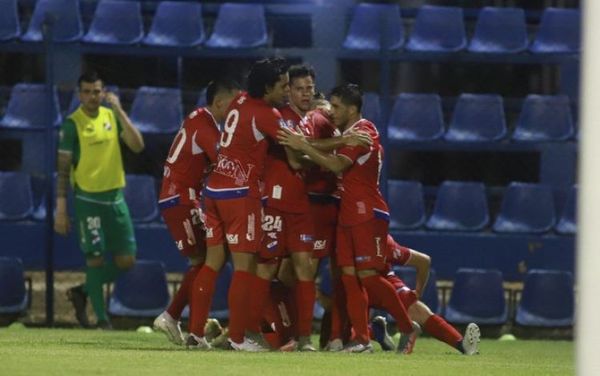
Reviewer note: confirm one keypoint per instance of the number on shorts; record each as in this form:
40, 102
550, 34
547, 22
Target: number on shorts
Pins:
272, 223
177, 146
230, 124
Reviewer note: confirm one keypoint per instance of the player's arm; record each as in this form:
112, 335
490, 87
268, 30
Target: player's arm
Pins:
130, 135
294, 159
422, 263
64, 161
351, 138
334, 163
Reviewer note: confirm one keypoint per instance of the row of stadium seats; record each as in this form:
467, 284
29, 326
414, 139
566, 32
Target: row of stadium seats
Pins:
179, 24
414, 117
442, 29
547, 299
459, 206
175, 24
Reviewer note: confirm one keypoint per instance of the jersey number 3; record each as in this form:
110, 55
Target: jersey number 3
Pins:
230, 124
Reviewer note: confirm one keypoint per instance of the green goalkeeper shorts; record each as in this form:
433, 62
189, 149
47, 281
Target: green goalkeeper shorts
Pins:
104, 225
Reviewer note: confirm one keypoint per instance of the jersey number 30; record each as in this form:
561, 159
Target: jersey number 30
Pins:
230, 124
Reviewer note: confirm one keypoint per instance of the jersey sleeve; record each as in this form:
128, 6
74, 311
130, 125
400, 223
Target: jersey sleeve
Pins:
67, 136
353, 152
271, 123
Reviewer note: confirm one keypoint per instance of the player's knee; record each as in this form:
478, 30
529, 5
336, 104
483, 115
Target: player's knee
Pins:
419, 312
124, 262
94, 262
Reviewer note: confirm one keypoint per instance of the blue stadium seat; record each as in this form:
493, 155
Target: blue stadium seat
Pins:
365, 32
140, 292
157, 110
67, 23
567, 224
10, 28
477, 118
239, 26
500, 30
17, 198
559, 32
544, 118
141, 197
477, 296
219, 308
407, 209
460, 206
371, 108
116, 22
547, 300
430, 297
26, 108
526, 208
75, 98
13, 295
416, 117
176, 24
438, 29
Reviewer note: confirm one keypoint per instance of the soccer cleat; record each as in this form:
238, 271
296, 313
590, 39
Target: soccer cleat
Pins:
335, 345
407, 340
172, 329
212, 329
305, 344
356, 347
194, 342
379, 326
470, 342
221, 342
78, 298
248, 345
291, 345
104, 325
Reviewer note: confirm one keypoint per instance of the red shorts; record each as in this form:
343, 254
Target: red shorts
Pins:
185, 225
362, 245
406, 295
285, 233
325, 221
235, 222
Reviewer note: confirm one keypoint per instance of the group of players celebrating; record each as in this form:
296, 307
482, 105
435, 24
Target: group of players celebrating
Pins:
288, 179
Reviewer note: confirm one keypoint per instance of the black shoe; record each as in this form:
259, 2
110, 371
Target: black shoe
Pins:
104, 325
78, 297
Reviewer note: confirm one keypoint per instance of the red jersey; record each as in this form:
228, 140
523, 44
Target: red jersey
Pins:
243, 148
284, 187
361, 198
320, 181
192, 152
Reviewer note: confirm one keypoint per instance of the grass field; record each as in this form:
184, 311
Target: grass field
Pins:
79, 352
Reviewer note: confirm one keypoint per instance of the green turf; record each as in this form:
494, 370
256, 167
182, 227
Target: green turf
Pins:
78, 352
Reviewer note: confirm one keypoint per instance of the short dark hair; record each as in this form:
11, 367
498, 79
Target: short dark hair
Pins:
301, 70
89, 77
349, 94
220, 85
265, 73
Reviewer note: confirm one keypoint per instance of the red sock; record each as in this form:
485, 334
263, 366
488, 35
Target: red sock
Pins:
260, 296
238, 304
357, 305
305, 301
441, 330
182, 296
384, 293
339, 314
201, 295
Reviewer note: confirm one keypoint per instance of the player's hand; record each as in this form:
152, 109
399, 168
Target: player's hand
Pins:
288, 137
357, 138
62, 224
113, 101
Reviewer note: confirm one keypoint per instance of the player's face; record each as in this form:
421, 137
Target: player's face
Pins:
302, 89
339, 113
279, 93
91, 95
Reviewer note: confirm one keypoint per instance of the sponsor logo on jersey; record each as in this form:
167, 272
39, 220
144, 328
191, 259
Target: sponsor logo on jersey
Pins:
107, 126
232, 238
233, 169
320, 245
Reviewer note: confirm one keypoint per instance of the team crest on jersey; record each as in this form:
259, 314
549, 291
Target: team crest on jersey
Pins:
107, 126
233, 169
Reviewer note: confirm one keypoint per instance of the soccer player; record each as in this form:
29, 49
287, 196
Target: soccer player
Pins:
363, 218
191, 156
89, 145
232, 201
433, 324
